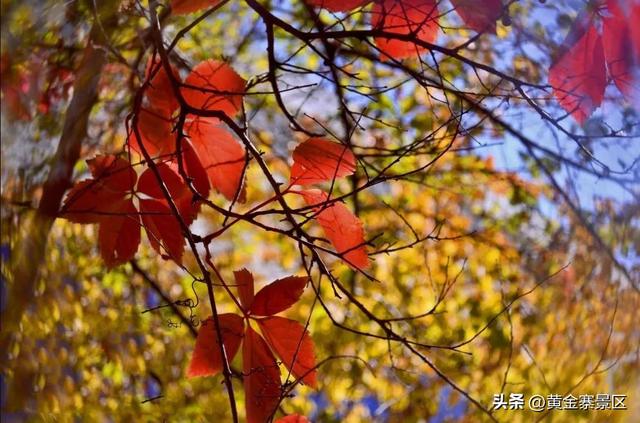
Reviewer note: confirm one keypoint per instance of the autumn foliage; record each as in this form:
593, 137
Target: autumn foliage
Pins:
189, 167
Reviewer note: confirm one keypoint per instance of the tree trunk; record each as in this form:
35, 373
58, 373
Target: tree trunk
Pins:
29, 249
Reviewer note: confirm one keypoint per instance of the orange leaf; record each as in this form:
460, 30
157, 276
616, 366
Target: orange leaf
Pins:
206, 359
578, 77
163, 229
221, 155
261, 378
183, 7
289, 339
159, 91
244, 282
318, 160
214, 85
119, 234
419, 17
338, 5
479, 15
341, 227
278, 296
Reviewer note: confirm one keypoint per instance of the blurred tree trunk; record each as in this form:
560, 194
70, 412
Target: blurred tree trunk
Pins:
29, 249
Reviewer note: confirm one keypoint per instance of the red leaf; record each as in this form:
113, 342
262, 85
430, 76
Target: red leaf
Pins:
119, 234
206, 359
318, 160
90, 200
183, 7
159, 92
106, 200
578, 77
634, 28
148, 183
261, 378
289, 339
214, 85
163, 229
180, 193
479, 15
292, 418
155, 131
116, 173
278, 296
617, 45
341, 227
338, 5
194, 168
244, 282
221, 155
419, 17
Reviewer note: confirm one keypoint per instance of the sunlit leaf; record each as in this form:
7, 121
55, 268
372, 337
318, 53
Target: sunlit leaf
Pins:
244, 285
318, 160
206, 359
617, 46
221, 155
278, 295
163, 229
292, 418
160, 91
180, 194
119, 233
261, 378
214, 85
578, 77
341, 227
404, 17
290, 340
154, 128
92, 199
114, 172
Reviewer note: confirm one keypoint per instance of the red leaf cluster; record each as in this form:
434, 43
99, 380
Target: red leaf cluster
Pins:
209, 156
214, 158
283, 337
418, 18
108, 199
579, 74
